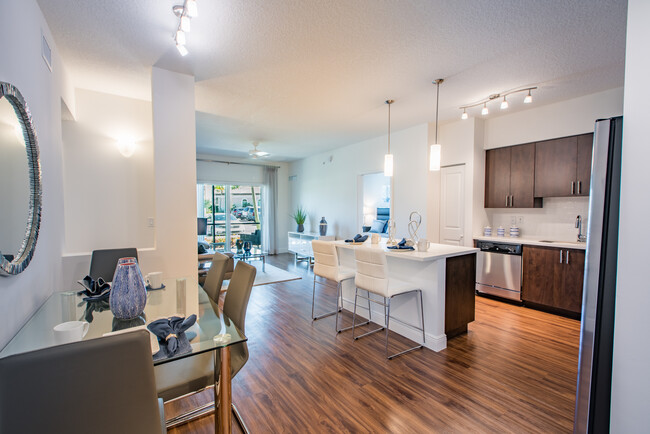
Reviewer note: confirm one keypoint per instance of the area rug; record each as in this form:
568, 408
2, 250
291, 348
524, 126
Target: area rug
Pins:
269, 275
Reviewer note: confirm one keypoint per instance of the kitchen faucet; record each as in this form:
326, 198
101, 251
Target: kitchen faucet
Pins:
581, 237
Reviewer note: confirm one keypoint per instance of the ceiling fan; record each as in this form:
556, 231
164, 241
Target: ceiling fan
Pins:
256, 153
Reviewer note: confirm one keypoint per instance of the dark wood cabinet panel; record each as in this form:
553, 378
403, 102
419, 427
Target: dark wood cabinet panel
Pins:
459, 293
571, 277
509, 177
555, 167
522, 176
553, 277
583, 165
538, 274
497, 177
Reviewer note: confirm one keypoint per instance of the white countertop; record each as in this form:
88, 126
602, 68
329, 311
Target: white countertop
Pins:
536, 241
436, 251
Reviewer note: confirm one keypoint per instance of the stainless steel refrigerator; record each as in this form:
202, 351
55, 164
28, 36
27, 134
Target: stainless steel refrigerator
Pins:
599, 293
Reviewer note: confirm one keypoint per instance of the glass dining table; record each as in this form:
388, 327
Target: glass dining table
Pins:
213, 330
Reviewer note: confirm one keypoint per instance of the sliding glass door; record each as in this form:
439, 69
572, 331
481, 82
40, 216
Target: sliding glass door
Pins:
233, 214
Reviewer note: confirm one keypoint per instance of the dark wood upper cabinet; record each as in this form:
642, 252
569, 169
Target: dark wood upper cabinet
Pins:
509, 177
555, 167
583, 170
563, 166
553, 277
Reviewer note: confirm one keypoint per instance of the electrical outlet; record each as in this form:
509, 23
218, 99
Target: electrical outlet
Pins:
520, 220
150, 222
513, 220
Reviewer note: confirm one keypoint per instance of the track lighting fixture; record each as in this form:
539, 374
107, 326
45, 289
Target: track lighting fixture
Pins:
529, 98
504, 103
184, 12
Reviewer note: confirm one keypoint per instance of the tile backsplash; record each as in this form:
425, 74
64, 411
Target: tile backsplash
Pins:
556, 220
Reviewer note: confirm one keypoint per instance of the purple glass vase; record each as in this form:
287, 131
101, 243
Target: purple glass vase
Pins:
128, 293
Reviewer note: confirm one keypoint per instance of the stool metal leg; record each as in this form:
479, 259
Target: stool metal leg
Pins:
417, 347
313, 300
340, 297
356, 294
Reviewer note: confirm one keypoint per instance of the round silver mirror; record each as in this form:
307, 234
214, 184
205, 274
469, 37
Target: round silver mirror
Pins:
20, 182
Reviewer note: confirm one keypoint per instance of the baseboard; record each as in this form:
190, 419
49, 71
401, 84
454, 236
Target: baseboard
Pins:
433, 342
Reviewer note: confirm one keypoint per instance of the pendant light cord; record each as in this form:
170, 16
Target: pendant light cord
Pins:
437, 99
389, 128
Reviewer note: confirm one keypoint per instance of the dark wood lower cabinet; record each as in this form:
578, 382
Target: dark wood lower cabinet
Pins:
460, 277
553, 278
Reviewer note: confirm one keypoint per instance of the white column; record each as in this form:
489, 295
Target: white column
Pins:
630, 375
174, 132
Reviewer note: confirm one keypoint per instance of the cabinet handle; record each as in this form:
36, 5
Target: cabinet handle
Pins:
579, 187
511, 201
506, 201
561, 256
567, 257
573, 187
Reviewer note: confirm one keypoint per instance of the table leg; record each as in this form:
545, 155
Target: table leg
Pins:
222, 415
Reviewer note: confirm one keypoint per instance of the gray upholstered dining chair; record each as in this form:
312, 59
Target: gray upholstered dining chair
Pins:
103, 385
372, 276
104, 262
193, 374
209, 258
216, 275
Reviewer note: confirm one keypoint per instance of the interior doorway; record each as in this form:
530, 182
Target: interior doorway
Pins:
375, 193
452, 205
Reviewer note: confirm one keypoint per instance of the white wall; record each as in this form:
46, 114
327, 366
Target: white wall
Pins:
214, 173
630, 376
462, 143
330, 187
108, 197
23, 66
374, 185
565, 118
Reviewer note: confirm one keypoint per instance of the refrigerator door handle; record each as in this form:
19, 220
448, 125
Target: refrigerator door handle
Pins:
561, 256
579, 187
573, 187
567, 258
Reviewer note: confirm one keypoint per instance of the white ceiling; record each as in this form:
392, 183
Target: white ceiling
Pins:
305, 76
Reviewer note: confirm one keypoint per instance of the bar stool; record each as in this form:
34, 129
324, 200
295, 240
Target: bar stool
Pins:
326, 265
372, 276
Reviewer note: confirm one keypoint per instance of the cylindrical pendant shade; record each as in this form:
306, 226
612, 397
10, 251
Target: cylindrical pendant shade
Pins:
434, 157
388, 165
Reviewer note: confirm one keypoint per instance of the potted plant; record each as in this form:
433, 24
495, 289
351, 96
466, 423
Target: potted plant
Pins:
300, 216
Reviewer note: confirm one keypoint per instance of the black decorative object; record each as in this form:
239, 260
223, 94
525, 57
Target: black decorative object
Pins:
247, 247
323, 227
301, 228
239, 243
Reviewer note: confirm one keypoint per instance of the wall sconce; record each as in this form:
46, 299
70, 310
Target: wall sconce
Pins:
126, 147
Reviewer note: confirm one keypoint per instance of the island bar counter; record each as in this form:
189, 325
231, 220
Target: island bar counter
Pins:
445, 274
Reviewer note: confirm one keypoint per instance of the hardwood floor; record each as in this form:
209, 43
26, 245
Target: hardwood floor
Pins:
514, 371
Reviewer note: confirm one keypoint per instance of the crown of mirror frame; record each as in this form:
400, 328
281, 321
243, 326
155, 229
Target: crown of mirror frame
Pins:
15, 258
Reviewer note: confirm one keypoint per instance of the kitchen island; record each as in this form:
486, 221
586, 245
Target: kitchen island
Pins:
446, 276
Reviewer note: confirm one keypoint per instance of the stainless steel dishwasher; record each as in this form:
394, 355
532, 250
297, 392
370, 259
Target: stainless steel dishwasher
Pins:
498, 269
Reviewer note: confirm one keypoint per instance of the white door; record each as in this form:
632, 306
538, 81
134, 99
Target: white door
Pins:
452, 205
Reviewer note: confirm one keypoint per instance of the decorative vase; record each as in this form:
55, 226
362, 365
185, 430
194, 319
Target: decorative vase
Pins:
301, 227
128, 293
247, 246
323, 227
239, 244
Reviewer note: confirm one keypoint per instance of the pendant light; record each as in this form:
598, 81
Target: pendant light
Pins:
388, 158
434, 150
